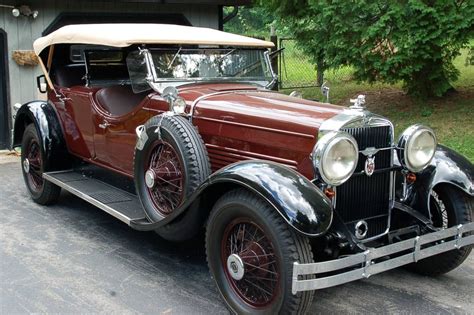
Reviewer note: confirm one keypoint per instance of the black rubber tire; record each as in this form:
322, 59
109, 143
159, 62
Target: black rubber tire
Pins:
49, 193
459, 207
183, 228
186, 141
289, 247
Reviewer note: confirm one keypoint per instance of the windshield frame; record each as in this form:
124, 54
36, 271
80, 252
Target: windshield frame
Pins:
160, 83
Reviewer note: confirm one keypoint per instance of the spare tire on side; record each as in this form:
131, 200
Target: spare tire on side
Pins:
169, 166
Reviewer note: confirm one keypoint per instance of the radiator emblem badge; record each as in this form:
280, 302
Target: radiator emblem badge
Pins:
370, 165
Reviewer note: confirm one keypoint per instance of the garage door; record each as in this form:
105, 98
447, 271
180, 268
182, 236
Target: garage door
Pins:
4, 105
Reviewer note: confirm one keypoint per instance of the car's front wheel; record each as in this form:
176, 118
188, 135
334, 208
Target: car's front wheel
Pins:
250, 251
449, 207
33, 165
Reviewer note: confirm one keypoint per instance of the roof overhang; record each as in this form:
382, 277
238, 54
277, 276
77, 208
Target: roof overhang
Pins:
124, 35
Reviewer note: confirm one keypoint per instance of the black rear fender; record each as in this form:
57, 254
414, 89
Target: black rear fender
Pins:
48, 127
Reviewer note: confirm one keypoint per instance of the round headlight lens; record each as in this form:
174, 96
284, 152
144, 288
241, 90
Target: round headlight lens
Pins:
335, 157
418, 144
179, 105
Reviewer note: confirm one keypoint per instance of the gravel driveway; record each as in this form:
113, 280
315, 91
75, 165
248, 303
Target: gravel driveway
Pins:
74, 258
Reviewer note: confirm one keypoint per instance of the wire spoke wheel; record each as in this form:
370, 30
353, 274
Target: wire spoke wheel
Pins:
169, 165
251, 251
250, 263
33, 166
34, 162
449, 206
164, 177
438, 211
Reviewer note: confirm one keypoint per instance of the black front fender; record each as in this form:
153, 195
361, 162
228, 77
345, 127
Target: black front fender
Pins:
48, 127
447, 167
300, 203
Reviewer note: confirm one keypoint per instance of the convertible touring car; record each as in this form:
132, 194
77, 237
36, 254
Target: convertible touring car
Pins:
175, 129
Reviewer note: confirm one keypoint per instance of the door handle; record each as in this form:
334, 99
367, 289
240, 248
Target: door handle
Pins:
104, 125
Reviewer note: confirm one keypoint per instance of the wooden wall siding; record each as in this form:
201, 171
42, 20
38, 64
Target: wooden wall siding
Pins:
23, 31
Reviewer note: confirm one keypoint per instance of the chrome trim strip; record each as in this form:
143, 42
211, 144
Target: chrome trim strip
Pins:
202, 97
86, 197
366, 263
206, 96
351, 118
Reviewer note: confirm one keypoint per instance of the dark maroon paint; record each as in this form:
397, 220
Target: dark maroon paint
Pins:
237, 122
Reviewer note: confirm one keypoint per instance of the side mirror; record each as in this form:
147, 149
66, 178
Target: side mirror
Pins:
41, 83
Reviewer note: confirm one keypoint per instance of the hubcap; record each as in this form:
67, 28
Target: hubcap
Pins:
26, 166
150, 178
235, 266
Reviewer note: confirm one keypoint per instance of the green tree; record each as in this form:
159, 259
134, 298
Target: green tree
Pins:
250, 21
413, 41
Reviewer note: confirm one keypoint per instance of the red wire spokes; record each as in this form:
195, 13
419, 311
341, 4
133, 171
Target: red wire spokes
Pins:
167, 192
260, 281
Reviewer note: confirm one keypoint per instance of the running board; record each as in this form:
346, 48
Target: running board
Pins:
120, 204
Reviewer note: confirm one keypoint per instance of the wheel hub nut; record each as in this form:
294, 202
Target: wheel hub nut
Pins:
235, 266
26, 165
150, 178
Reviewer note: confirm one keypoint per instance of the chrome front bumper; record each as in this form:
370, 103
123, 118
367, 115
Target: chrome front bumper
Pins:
377, 260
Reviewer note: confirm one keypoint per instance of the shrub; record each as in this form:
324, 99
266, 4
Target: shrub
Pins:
412, 41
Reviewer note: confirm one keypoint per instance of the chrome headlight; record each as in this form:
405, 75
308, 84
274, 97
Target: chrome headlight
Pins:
416, 147
335, 157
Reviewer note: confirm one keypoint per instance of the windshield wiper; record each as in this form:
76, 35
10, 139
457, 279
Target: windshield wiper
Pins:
223, 56
174, 58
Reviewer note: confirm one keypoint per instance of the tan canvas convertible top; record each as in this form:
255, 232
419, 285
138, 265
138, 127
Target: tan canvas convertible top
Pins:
123, 35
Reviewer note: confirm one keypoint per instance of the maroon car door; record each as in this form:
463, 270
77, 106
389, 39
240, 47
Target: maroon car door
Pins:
116, 114
76, 114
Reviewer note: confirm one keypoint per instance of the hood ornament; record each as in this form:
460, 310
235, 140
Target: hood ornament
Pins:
358, 103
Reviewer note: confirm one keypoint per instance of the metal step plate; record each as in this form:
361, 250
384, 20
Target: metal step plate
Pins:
121, 204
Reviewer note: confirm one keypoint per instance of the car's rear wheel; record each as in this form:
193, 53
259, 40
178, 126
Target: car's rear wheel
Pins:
449, 207
33, 165
169, 168
250, 251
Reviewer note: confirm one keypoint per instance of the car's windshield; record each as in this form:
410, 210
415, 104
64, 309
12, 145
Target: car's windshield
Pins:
178, 66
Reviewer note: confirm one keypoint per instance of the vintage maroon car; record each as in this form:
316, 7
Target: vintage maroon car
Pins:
174, 129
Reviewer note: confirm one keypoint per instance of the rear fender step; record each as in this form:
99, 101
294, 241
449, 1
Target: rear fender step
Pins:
120, 204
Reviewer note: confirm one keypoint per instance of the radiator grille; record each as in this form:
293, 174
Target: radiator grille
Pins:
362, 196
376, 137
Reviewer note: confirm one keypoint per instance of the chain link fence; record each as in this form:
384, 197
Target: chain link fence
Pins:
296, 70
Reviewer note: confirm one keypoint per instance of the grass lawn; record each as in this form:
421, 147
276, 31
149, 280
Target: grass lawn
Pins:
451, 117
